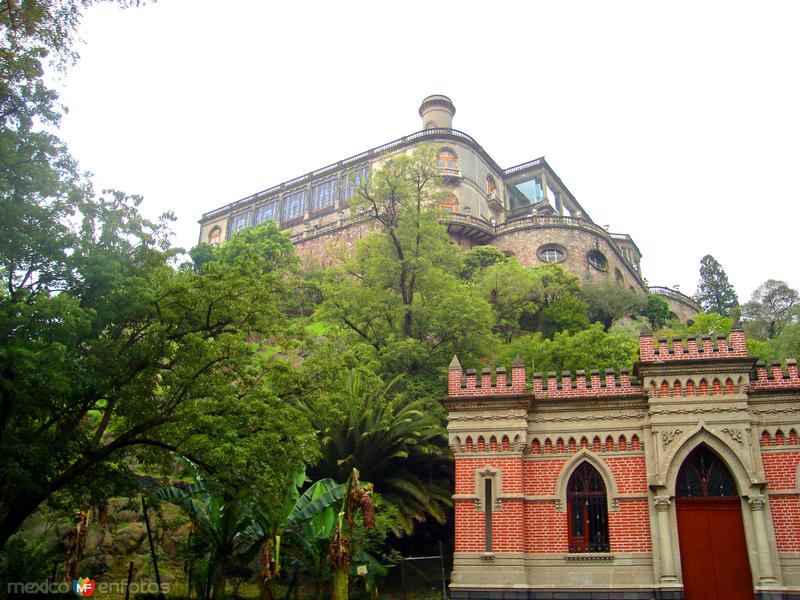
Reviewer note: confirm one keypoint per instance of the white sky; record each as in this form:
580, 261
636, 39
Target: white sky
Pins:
679, 125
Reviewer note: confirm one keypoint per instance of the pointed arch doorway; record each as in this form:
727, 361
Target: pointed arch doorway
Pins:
713, 549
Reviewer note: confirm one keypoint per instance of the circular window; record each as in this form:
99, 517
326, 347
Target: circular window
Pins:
551, 254
598, 260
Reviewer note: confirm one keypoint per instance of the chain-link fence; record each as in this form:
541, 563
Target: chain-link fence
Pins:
423, 578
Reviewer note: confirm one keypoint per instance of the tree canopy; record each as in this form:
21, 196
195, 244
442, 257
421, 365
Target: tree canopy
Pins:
773, 305
714, 292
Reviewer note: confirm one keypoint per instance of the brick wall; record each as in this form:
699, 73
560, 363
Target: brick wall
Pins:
629, 526
535, 525
328, 250
781, 471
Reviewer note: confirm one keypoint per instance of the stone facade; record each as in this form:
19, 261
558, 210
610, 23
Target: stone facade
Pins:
525, 210
519, 441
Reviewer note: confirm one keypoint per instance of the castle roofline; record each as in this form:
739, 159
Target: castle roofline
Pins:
400, 143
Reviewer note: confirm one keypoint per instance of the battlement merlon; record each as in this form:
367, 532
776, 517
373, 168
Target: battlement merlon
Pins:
692, 348
776, 378
730, 350
463, 384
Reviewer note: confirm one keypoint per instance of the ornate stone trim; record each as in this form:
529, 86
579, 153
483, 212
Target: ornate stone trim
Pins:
735, 434
481, 417
757, 502
667, 437
589, 558
774, 411
578, 418
697, 411
662, 503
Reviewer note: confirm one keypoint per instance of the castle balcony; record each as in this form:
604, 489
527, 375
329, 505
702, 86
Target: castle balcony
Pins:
495, 203
468, 226
675, 296
450, 176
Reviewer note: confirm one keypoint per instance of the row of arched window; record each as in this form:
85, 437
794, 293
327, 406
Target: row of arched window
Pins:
779, 439
621, 444
609, 445
690, 389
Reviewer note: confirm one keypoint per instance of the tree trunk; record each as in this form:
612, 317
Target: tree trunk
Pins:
341, 581
220, 582
19, 510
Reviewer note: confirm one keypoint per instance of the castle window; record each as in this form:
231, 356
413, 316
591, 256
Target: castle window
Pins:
267, 212
351, 181
239, 222
447, 160
491, 186
551, 254
619, 277
587, 512
322, 195
293, 206
598, 260
527, 192
213, 235
449, 204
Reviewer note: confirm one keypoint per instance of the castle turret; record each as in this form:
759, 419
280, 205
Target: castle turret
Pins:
437, 111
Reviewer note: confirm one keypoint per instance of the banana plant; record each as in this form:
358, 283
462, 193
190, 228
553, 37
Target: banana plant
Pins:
221, 523
304, 519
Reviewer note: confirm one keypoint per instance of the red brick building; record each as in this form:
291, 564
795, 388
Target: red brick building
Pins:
679, 480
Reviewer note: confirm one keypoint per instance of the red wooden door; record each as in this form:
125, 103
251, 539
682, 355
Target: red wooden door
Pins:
713, 549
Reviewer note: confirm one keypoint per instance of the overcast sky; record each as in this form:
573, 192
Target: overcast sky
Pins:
678, 124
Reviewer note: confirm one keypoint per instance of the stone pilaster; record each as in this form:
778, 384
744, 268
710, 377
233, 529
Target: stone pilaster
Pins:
662, 505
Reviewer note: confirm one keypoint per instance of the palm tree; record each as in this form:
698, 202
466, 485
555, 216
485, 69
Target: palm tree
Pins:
394, 444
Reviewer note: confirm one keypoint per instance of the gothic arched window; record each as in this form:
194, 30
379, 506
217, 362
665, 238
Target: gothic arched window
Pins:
704, 475
586, 510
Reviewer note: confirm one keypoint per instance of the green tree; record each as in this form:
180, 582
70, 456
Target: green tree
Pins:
773, 305
552, 283
703, 323
480, 257
400, 292
609, 301
591, 348
714, 292
395, 443
568, 313
656, 310
508, 287
107, 354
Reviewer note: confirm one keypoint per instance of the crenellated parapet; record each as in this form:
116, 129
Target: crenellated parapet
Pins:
776, 377
692, 348
497, 383
610, 383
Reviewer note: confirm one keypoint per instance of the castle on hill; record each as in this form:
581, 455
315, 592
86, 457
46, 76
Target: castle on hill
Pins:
525, 210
